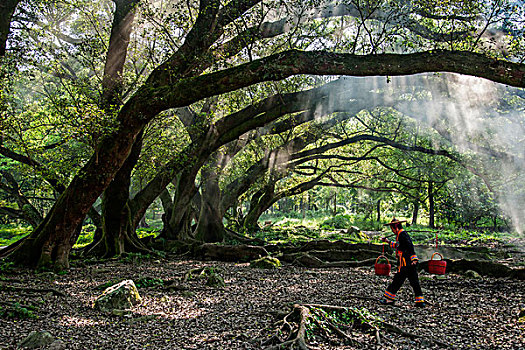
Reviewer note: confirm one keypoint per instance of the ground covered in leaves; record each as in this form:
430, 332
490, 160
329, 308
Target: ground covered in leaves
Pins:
465, 313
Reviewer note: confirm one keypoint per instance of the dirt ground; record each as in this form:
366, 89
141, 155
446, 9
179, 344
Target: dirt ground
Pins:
466, 313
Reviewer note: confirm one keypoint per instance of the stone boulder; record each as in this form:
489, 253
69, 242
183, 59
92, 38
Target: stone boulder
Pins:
355, 234
266, 262
121, 296
36, 340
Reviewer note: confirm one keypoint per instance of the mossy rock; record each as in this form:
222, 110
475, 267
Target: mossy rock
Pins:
121, 296
472, 274
266, 262
188, 294
355, 234
37, 340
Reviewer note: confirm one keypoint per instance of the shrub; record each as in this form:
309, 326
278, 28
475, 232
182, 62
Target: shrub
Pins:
336, 222
17, 311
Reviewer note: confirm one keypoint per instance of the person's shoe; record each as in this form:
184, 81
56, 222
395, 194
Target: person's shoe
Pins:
385, 301
420, 301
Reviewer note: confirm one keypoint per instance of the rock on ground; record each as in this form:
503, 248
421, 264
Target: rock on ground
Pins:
121, 296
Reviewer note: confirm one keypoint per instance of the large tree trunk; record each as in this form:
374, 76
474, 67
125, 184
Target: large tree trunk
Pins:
118, 228
260, 201
431, 207
7, 9
117, 233
178, 225
334, 213
50, 243
117, 51
415, 212
210, 227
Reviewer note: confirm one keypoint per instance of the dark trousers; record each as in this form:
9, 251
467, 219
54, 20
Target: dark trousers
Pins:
405, 272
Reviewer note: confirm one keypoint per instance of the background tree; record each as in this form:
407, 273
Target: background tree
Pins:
218, 49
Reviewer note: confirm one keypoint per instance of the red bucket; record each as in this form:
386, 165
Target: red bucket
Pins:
382, 269
437, 267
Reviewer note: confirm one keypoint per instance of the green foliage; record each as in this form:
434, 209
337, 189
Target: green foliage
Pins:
266, 262
5, 266
368, 225
336, 222
464, 237
148, 231
11, 233
88, 232
148, 282
17, 311
86, 236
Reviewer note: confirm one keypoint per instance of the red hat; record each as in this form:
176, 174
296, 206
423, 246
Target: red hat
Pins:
394, 221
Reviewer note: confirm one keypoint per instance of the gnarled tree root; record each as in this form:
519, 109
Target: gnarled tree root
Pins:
296, 330
311, 260
330, 324
31, 290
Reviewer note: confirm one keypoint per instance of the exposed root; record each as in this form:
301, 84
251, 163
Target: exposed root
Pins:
296, 334
330, 324
246, 240
12, 247
32, 290
395, 329
310, 259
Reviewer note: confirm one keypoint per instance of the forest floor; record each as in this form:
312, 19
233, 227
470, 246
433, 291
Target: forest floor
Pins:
465, 313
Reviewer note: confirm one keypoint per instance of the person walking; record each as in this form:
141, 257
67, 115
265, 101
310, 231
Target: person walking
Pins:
407, 266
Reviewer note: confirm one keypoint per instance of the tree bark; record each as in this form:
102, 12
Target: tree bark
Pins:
118, 227
334, 213
431, 207
260, 201
7, 9
415, 212
210, 228
179, 225
121, 28
118, 233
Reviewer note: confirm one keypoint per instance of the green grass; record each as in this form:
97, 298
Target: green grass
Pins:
455, 237
11, 233
88, 231
296, 230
